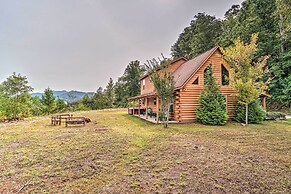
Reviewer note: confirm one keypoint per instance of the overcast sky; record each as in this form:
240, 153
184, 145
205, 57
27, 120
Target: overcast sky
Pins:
80, 44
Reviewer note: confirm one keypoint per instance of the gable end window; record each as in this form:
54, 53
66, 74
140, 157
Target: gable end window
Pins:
224, 76
207, 72
196, 82
143, 84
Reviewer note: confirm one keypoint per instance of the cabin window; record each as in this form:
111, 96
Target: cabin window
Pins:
224, 76
172, 105
155, 101
196, 82
207, 72
143, 84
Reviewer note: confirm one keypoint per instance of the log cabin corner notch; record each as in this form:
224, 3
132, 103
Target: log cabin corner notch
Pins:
189, 83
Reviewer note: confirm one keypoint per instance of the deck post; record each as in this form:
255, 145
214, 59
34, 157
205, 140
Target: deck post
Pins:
157, 109
128, 105
146, 101
264, 103
139, 107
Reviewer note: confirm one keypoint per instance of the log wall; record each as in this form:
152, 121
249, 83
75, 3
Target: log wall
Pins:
186, 99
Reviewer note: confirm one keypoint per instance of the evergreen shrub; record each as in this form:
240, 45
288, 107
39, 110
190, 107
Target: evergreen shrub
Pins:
212, 109
256, 113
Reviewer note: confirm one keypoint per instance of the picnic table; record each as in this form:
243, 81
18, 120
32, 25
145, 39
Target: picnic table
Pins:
75, 121
57, 119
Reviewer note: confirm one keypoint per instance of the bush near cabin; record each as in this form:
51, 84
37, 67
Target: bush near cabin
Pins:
256, 113
212, 109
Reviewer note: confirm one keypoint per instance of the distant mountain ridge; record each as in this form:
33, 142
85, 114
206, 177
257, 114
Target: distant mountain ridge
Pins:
69, 96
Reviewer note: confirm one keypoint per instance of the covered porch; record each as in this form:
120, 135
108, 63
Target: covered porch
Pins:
145, 106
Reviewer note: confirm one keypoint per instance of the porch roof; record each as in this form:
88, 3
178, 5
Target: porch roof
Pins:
143, 95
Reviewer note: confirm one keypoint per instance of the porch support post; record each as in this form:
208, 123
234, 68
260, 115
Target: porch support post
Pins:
146, 102
128, 106
157, 107
139, 107
264, 103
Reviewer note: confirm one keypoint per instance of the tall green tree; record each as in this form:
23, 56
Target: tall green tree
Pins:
6, 106
36, 106
48, 100
121, 93
99, 99
131, 77
280, 87
109, 93
282, 15
200, 36
61, 105
254, 16
246, 75
17, 89
128, 84
87, 102
212, 109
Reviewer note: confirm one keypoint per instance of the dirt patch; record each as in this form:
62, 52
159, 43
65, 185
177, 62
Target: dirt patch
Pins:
101, 128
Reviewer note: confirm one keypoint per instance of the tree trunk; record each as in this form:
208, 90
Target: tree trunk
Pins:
247, 114
168, 113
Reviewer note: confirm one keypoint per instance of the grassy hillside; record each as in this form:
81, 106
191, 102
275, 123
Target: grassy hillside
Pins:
118, 153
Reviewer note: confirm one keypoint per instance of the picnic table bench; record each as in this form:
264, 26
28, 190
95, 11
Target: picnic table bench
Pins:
57, 119
75, 121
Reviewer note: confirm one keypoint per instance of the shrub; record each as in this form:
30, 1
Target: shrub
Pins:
212, 109
256, 113
275, 116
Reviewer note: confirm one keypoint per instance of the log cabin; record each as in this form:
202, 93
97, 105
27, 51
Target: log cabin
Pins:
189, 83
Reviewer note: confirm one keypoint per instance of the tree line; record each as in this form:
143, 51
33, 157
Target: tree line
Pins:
16, 101
271, 19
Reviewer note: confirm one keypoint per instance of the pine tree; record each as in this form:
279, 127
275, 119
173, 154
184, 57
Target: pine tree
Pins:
48, 100
109, 93
212, 109
60, 105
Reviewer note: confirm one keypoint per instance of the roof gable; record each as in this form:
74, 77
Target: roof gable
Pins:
189, 68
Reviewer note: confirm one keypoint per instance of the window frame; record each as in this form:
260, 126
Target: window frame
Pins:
224, 81
197, 79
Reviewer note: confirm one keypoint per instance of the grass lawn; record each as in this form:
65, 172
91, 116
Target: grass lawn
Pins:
118, 153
